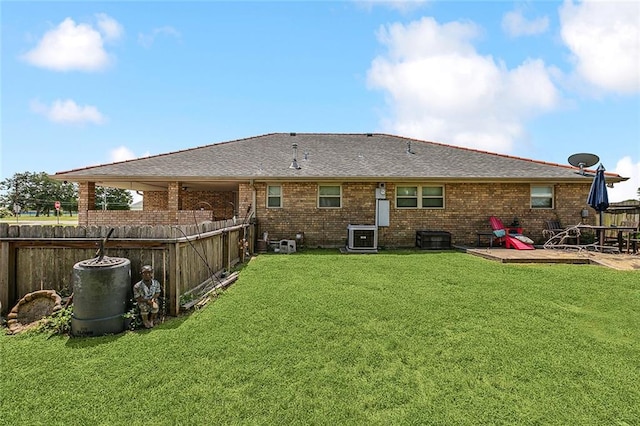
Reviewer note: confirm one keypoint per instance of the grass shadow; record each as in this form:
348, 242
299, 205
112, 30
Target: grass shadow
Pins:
83, 342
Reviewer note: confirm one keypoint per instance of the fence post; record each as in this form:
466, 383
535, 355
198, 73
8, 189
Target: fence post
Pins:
174, 279
7, 275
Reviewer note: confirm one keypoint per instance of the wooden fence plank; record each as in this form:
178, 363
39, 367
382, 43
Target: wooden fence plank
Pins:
5, 277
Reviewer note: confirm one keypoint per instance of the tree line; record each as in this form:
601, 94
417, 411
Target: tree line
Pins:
38, 193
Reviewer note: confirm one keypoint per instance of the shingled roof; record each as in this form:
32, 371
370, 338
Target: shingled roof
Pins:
328, 156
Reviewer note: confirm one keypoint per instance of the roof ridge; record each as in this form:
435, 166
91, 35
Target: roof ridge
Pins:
515, 157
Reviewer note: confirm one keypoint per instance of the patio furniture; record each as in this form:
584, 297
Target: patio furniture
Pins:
601, 231
632, 243
488, 234
620, 235
569, 238
612, 236
565, 239
631, 237
511, 237
554, 227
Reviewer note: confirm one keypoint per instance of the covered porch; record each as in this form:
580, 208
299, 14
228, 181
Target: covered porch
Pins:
169, 203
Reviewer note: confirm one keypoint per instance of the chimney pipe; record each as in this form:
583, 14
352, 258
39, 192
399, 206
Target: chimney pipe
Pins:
294, 163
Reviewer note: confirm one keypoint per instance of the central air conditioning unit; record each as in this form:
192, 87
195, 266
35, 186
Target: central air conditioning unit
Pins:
362, 238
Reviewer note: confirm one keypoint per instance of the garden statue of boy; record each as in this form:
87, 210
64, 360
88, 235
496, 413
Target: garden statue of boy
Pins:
146, 292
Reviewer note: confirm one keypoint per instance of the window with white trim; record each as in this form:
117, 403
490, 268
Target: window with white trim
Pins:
274, 196
432, 197
541, 196
406, 197
329, 196
420, 197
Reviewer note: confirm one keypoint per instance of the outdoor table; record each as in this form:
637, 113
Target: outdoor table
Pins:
601, 231
488, 234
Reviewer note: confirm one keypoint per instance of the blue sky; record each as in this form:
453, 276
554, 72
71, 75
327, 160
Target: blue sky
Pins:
87, 83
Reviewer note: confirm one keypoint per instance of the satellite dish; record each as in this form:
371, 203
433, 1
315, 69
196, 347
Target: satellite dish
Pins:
583, 160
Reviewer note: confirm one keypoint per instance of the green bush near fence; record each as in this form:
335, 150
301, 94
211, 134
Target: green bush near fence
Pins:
322, 338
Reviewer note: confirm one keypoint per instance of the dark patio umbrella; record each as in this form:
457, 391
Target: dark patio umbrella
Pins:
598, 198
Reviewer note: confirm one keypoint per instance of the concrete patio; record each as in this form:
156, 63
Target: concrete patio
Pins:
622, 261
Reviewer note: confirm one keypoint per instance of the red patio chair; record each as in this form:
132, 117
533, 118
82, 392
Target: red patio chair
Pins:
511, 237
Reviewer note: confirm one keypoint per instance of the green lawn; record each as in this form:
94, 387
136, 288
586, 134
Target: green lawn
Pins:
322, 338
64, 219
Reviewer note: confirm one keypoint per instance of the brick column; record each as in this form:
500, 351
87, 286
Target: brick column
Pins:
86, 201
246, 199
173, 201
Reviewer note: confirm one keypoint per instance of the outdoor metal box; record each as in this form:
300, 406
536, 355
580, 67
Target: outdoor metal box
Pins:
382, 212
433, 240
362, 238
287, 246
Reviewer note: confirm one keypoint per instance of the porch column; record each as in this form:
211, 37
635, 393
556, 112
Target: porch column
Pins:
86, 201
246, 199
173, 201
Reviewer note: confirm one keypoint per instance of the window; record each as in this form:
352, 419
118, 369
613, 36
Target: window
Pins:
542, 197
329, 196
431, 197
274, 196
407, 196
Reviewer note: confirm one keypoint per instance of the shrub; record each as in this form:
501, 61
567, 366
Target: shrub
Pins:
57, 323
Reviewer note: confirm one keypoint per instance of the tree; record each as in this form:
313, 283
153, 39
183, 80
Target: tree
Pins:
69, 197
43, 192
113, 198
37, 192
16, 192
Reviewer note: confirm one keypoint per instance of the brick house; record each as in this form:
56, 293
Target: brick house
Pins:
319, 184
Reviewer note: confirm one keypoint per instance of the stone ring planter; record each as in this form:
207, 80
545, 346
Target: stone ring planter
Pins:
32, 308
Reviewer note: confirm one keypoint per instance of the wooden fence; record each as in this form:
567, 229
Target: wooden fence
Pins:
183, 257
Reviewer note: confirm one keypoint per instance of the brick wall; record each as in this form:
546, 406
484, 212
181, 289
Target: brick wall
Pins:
127, 217
324, 227
467, 209
220, 205
138, 217
155, 200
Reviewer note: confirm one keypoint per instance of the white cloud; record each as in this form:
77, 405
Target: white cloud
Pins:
71, 46
147, 40
403, 6
121, 153
604, 39
515, 24
439, 88
627, 190
109, 27
68, 112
